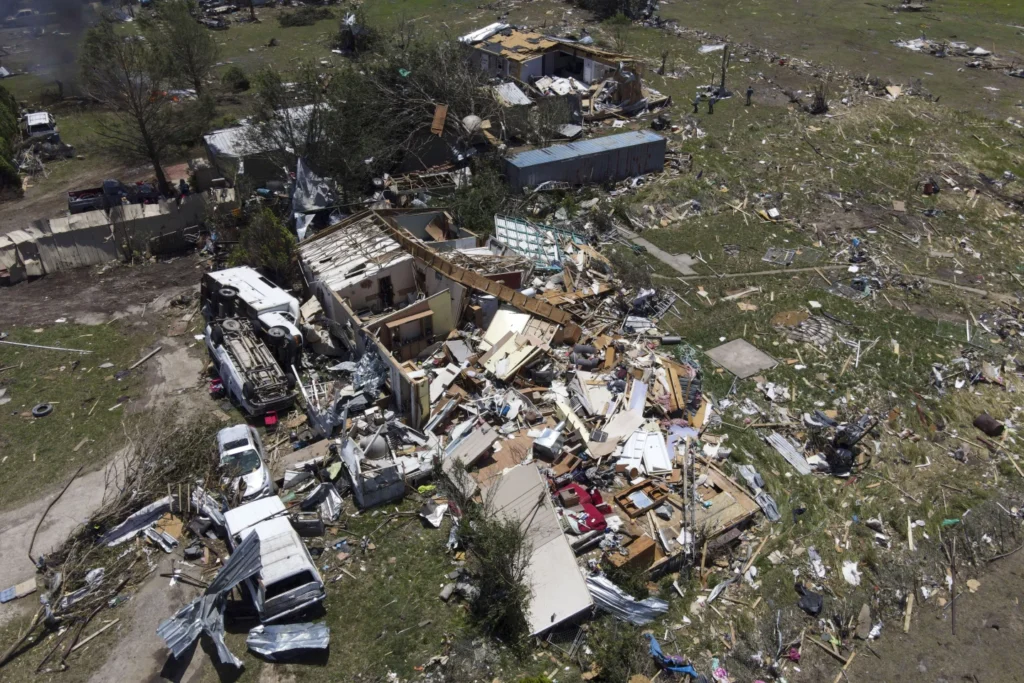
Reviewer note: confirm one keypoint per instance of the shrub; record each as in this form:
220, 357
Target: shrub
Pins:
267, 244
10, 135
235, 79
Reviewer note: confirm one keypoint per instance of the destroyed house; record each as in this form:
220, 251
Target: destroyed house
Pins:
242, 150
504, 51
394, 283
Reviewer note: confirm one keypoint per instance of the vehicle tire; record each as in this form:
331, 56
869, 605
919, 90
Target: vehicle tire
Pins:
42, 410
231, 325
226, 298
277, 336
248, 391
217, 335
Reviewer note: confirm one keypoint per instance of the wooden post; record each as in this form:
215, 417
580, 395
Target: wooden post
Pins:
725, 64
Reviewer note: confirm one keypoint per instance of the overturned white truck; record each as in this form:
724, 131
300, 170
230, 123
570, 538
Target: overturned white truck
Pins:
253, 338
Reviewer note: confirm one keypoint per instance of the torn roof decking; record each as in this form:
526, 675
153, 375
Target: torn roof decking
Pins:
351, 251
521, 46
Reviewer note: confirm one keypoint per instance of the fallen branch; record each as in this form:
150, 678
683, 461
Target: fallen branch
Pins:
47, 510
999, 557
145, 358
7, 656
96, 633
48, 348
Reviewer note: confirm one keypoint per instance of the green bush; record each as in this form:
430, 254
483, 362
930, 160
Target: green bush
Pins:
235, 79
266, 243
305, 16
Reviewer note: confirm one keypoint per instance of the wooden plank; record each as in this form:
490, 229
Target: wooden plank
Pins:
440, 114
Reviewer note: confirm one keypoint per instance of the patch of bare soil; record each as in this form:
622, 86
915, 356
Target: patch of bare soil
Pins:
44, 199
96, 295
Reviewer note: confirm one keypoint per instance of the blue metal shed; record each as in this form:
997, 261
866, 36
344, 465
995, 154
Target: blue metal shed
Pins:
590, 161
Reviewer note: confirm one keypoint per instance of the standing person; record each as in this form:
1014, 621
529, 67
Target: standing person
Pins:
696, 102
711, 104
750, 93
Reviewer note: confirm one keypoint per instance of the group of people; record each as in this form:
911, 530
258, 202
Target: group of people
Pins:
714, 98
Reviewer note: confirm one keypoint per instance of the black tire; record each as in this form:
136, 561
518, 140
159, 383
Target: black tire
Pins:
231, 325
42, 410
217, 335
277, 336
226, 298
248, 390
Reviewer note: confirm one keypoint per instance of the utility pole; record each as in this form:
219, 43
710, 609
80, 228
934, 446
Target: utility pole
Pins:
725, 64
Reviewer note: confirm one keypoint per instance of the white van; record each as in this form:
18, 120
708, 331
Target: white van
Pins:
243, 293
288, 580
253, 337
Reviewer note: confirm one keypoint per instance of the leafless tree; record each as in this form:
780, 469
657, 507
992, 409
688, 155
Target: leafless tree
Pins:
185, 48
122, 73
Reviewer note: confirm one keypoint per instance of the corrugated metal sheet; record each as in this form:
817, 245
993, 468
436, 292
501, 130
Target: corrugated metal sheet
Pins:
510, 95
611, 598
206, 613
589, 161
275, 642
789, 452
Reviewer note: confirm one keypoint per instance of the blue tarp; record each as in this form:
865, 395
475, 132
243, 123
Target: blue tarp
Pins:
673, 663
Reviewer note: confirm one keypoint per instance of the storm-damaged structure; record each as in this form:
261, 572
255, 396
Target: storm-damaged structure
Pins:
604, 84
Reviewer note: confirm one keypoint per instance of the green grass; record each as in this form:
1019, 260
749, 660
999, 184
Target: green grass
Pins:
375, 617
855, 36
38, 454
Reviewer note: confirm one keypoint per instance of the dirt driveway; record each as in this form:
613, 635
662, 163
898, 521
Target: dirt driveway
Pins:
173, 376
92, 296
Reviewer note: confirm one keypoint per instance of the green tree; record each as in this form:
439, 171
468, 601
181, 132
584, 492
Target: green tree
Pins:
290, 118
235, 79
474, 205
185, 49
267, 244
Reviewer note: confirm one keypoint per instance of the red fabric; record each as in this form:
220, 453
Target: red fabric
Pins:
595, 520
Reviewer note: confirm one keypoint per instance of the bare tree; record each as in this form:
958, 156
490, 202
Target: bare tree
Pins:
185, 48
290, 120
121, 72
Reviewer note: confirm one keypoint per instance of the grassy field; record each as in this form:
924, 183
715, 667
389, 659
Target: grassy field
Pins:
40, 453
856, 36
854, 174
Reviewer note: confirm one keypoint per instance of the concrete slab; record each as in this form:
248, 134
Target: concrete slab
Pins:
742, 358
681, 263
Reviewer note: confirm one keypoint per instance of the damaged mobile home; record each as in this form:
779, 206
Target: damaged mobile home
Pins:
604, 84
